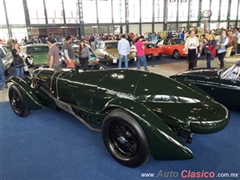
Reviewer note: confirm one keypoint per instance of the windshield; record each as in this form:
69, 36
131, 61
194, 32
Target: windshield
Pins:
111, 45
177, 41
76, 42
37, 49
170, 99
231, 73
150, 45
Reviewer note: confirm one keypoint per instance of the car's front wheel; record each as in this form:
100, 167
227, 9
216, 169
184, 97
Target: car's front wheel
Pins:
108, 61
17, 102
176, 54
125, 139
159, 56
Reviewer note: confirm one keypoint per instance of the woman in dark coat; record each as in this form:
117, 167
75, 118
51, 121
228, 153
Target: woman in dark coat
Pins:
83, 54
18, 61
210, 49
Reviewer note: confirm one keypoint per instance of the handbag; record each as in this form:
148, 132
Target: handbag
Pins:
208, 52
228, 45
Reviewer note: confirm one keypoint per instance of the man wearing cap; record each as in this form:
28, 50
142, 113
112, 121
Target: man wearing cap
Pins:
53, 54
69, 52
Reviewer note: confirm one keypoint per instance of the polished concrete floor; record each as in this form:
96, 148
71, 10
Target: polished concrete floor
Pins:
166, 66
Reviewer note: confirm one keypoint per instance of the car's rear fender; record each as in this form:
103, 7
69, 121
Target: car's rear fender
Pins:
30, 99
164, 143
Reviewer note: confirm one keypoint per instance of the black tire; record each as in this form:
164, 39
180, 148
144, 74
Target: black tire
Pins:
108, 61
148, 58
176, 54
131, 61
159, 56
17, 102
125, 139
6, 72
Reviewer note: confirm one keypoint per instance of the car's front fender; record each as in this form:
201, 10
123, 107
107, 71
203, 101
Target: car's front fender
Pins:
164, 143
30, 99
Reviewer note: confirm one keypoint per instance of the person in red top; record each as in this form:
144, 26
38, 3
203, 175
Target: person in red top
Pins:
140, 54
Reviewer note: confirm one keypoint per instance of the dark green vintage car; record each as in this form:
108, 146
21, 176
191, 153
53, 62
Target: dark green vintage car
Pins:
222, 84
139, 114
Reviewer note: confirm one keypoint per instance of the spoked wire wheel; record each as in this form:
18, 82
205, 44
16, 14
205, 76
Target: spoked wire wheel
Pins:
17, 102
125, 139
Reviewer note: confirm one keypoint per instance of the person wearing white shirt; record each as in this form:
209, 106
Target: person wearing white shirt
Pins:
191, 45
123, 50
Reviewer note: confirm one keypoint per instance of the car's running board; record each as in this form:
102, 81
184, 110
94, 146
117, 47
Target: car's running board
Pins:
68, 108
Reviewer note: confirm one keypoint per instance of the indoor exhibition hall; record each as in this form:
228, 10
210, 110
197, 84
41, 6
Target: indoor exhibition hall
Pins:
119, 89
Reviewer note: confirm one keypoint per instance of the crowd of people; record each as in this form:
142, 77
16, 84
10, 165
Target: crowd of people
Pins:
210, 47
196, 45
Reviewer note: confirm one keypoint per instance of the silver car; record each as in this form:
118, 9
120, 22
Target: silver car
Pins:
8, 60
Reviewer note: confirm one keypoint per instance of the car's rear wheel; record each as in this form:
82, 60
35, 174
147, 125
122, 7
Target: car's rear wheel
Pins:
17, 102
108, 61
125, 139
176, 54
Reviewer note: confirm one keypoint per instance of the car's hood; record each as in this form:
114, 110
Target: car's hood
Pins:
115, 51
204, 118
40, 58
176, 103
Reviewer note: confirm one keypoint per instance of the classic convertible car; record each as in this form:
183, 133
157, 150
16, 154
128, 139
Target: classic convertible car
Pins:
151, 50
39, 52
222, 84
108, 52
174, 47
139, 114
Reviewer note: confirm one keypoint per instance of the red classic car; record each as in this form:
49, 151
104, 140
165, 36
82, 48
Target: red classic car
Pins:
174, 47
152, 50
